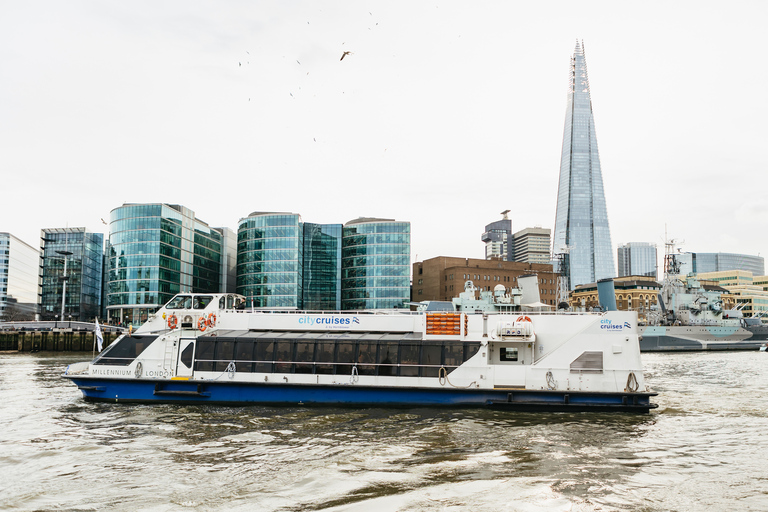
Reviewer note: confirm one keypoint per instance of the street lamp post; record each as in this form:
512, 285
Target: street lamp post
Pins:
64, 253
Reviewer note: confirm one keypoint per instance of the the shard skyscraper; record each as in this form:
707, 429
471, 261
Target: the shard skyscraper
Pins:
582, 238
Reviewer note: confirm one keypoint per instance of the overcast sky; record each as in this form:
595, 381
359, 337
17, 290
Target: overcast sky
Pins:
443, 114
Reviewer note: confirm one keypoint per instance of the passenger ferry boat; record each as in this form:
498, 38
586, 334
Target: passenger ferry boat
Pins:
207, 348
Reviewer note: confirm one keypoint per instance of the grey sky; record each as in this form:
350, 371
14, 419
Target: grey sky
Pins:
444, 114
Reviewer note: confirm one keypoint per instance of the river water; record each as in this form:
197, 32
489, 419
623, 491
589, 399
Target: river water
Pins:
704, 448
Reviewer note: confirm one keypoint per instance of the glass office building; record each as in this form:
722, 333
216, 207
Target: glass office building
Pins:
71, 266
285, 263
19, 267
269, 259
156, 251
581, 234
321, 267
702, 262
637, 259
375, 264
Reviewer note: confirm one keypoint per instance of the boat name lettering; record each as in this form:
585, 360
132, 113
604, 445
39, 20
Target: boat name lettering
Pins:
610, 326
159, 373
111, 371
328, 320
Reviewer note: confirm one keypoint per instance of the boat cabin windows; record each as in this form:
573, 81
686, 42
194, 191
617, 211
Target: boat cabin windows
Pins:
125, 350
189, 302
180, 302
201, 301
231, 302
405, 358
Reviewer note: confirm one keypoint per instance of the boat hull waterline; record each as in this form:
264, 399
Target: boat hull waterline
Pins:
245, 393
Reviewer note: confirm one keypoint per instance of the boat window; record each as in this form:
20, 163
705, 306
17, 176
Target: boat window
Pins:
244, 355
201, 301
305, 356
180, 302
283, 356
345, 357
263, 355
125, 350
204, 356
225, 354
366, 358
454, 353
186, 355
409, 360
222, 302
387, 358
430, 359
325, 350
230, 301
508, 354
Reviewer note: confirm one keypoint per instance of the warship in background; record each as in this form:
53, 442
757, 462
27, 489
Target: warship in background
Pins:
691, 317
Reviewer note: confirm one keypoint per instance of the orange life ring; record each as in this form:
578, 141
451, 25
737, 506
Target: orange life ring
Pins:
523, 319
172, 322
202, 323
212, 319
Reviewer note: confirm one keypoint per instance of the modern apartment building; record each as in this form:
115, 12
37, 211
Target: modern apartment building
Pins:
19, 267
582, 237
71, 269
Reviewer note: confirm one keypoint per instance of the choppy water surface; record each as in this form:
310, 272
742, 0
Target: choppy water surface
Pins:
705, 448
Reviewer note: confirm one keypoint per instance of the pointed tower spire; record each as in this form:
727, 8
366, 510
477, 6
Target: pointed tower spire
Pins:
582, 237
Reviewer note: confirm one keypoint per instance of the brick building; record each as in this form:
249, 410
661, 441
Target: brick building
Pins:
443, 277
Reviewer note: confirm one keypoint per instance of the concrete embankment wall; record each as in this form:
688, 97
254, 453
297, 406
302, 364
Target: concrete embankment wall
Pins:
51, 341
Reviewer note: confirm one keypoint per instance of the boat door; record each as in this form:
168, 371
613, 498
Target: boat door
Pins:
186, 354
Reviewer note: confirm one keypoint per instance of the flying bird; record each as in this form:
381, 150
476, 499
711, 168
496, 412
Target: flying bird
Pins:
103, 221
344, 55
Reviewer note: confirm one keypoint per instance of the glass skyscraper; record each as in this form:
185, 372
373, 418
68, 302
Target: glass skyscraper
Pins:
375, 264
582, 236
157, 251
637, 259
83, 252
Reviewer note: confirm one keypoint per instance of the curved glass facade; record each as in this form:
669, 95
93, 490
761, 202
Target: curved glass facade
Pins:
375, 264
156, 251
269, 255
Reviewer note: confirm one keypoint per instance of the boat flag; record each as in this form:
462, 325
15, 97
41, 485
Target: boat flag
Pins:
99, 339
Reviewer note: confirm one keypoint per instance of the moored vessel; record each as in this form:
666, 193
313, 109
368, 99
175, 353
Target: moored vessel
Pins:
207, 348
691, 317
